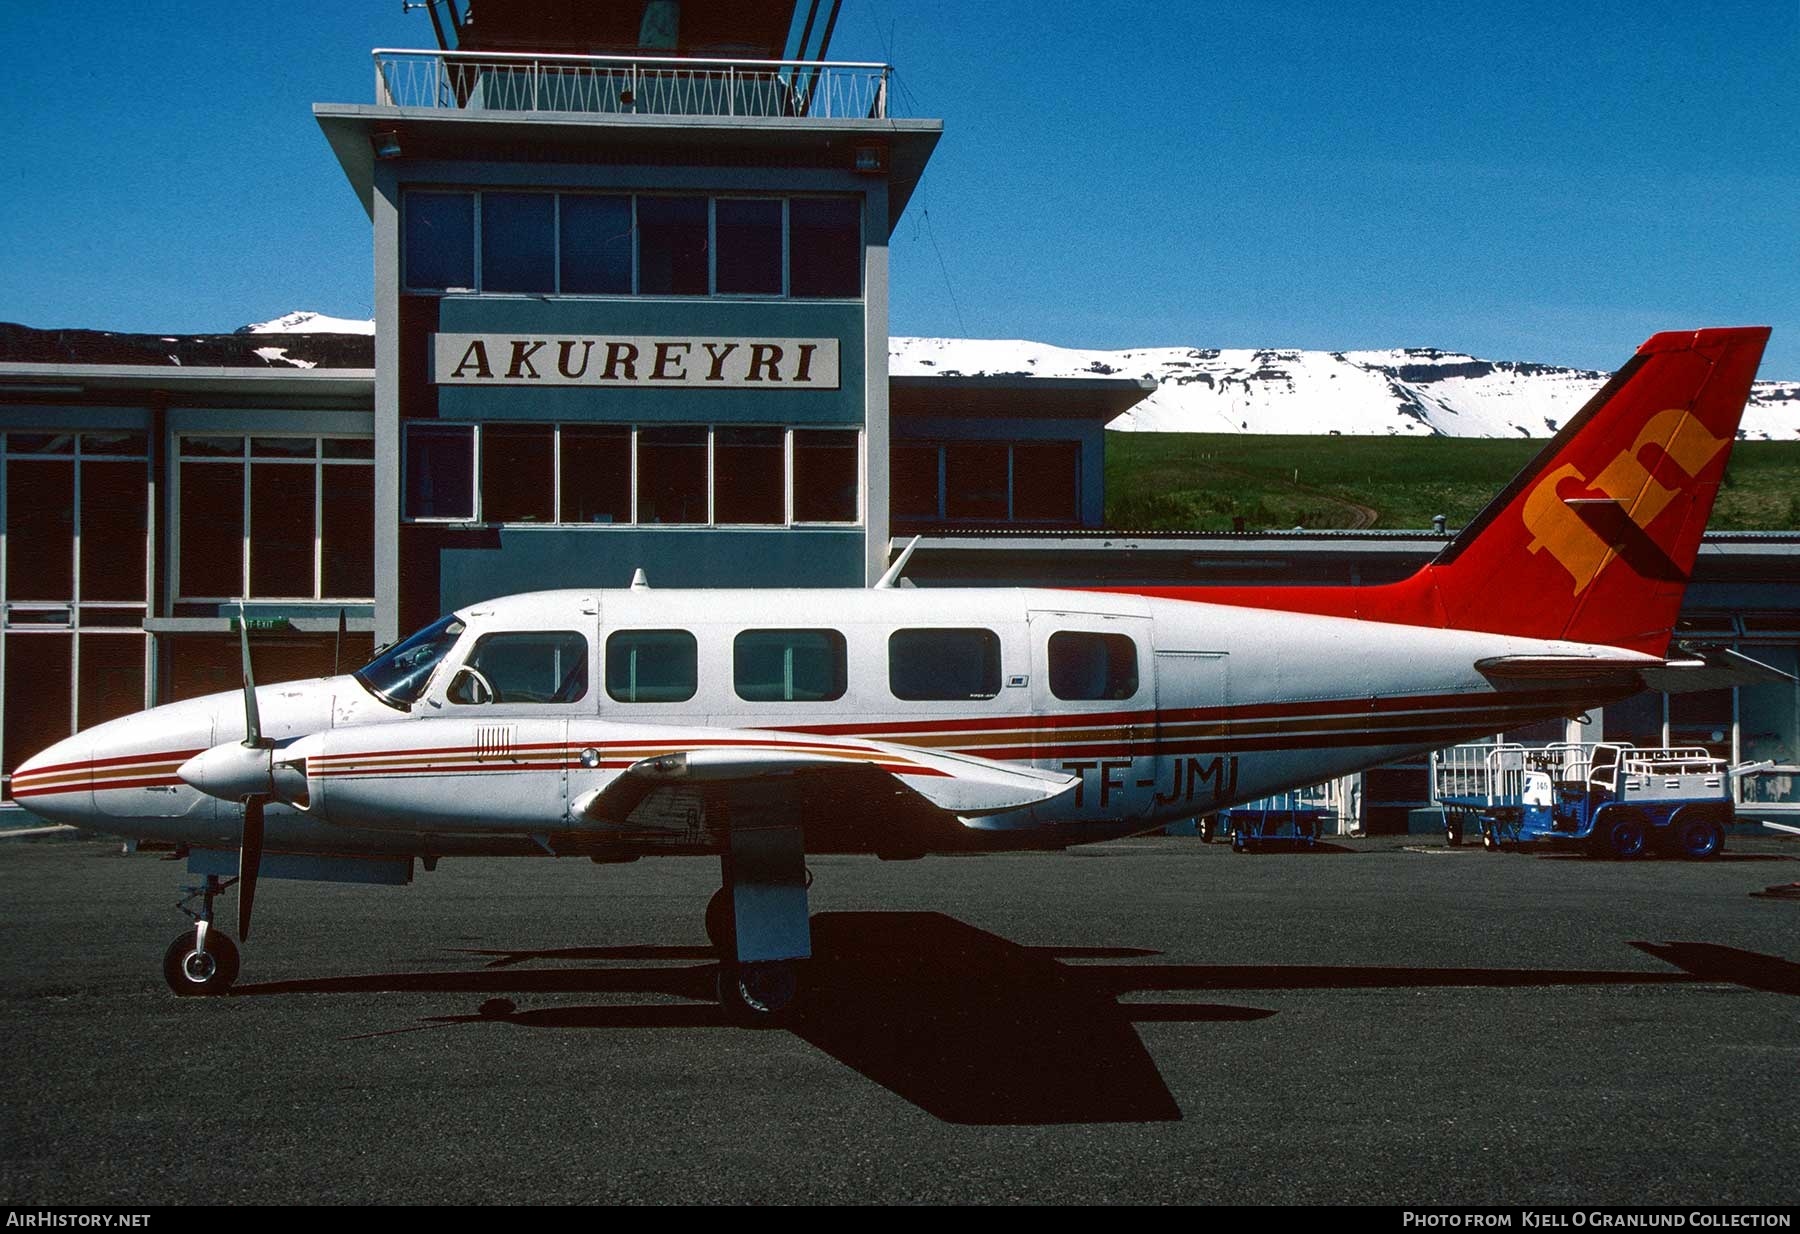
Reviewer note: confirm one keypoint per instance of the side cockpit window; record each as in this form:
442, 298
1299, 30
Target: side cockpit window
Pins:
537, 666
944, 665
651, 666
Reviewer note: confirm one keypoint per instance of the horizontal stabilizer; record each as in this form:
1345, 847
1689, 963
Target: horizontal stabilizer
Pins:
1691, 668
1709, 668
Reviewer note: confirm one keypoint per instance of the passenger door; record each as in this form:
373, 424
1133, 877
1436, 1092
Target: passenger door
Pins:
1093, 692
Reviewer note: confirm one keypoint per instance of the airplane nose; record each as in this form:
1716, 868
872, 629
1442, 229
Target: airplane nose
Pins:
53, 783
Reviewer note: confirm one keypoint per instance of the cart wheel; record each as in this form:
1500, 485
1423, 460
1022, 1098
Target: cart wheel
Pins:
1626, 837
1238, 844
1452, 831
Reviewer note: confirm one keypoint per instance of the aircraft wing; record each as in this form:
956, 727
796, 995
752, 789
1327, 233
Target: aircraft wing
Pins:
874, 783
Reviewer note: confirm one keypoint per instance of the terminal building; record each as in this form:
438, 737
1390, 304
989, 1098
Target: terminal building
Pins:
631, 286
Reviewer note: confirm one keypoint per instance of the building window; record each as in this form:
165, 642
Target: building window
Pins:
1769, 730
826, 470
944, 665
751, 466
748, 234
1090, 666
73, 653
595, 248
518, 242
824, 247
440, 241
987, 481
254, 519
440, 471
518, 473
977, 479
672, 475
915, 485
652, 475
651, 666
789, 666
539, 243
672, 247
596, 474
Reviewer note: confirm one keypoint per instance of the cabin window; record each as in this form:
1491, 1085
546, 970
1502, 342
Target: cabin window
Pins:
1092, 666
946, 665
789, 666
651, 666
540, 666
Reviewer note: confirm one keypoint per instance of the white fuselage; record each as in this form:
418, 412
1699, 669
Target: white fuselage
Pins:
1161, 709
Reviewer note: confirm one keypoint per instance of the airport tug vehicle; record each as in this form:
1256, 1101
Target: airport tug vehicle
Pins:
1608, 798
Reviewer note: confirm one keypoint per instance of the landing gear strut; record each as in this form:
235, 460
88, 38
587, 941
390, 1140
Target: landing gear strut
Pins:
202, 960
757, 922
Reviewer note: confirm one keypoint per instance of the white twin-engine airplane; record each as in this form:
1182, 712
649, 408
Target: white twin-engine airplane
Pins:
756, 726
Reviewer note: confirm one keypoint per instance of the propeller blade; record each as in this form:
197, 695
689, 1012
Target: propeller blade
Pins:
249, 862
252, 718
337, 652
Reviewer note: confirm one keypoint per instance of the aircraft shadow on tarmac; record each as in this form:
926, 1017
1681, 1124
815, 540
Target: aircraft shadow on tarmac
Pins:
966, 1025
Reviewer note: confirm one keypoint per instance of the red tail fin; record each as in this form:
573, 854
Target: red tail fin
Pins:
1595, 539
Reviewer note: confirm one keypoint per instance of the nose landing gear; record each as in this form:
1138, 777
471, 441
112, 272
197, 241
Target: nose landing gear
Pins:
202, 960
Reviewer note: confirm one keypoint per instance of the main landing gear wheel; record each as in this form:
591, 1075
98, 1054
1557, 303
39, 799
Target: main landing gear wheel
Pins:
191, 971
758, 993
1206, 826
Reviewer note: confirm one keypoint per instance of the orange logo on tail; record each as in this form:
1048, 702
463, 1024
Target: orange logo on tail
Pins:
1584, 535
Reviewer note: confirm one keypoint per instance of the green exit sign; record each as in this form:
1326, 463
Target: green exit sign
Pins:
254, 624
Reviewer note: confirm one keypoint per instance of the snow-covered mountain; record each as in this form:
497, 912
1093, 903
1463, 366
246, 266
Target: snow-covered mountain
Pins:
1413, 392
303, 322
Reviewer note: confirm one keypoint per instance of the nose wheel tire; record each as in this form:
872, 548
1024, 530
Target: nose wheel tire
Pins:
758, 993
190, 971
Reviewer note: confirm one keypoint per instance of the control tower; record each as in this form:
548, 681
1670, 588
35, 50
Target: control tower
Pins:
631, 288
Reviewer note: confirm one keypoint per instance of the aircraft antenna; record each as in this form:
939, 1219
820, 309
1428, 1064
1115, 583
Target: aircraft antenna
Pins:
891, 579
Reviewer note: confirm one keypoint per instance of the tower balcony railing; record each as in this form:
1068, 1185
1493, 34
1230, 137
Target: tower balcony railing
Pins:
631, 85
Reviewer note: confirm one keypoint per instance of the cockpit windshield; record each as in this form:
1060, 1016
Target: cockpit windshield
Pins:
399, 675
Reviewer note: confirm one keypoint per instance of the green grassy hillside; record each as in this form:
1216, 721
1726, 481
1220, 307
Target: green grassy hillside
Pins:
1201, 481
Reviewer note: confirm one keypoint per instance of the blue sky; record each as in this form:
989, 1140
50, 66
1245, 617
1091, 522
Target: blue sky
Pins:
1548, 182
